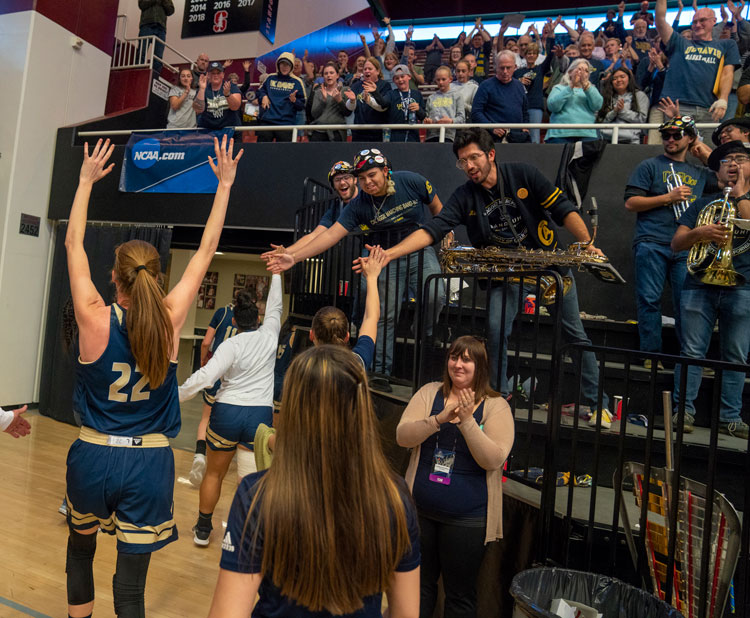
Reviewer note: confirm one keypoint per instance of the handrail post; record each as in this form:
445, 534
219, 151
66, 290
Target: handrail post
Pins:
615, 135
442, 134
294, 134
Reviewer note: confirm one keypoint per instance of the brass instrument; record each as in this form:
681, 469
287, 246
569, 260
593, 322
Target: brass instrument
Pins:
674, 180
459, 260
720, 271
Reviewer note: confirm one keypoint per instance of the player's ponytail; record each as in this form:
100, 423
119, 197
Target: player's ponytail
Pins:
330, 325
149, 328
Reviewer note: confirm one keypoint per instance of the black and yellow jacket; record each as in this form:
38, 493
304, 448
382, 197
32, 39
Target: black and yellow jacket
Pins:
542, 206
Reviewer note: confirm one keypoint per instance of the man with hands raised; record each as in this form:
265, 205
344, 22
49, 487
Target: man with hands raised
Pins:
217, 101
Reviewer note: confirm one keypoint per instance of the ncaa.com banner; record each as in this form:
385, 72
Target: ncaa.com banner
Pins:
170, 162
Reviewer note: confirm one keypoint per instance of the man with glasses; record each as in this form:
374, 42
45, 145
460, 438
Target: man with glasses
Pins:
700, 71
702, 303
657, 206
502, 99
511, 205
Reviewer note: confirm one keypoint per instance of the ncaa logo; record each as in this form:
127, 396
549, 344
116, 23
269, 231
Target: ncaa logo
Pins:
146, 153
220, 21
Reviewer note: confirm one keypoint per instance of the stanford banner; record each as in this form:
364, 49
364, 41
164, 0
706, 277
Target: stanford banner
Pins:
170, 162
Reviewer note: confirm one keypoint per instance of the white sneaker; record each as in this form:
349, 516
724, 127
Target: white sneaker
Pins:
606, 418
198, 470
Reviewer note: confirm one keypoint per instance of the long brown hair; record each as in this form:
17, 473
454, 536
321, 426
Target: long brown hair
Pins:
330, 325
477, 352
150, 330
332, 517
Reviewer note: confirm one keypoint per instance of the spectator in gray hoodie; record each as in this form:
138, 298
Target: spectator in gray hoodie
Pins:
446, 106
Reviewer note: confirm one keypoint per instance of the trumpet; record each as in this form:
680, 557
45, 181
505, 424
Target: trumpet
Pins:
673, 181
720, 271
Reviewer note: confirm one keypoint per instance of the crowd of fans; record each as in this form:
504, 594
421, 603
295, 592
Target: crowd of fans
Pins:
611, 75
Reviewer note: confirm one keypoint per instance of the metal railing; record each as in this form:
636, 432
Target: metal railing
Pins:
441, 128
138, 52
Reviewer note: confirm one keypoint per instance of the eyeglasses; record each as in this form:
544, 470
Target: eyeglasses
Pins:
668, 135
462, 164
739, 160
343, 177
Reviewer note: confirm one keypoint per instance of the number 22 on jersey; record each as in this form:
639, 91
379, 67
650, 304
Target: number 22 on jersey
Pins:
116, 388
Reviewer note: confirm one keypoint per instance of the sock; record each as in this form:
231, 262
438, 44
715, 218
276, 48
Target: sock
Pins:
204, 521
200, 447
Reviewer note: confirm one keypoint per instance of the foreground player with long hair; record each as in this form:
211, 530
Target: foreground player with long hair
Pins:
120, 475
329, 526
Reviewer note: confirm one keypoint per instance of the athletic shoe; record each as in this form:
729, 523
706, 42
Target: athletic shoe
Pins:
201, 536
63, 510
647, 364
688, 427
606, 417
198, 470
738, 429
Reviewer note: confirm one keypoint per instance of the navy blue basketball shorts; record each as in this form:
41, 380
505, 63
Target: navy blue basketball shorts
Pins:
124, 485
231, 425
209, 394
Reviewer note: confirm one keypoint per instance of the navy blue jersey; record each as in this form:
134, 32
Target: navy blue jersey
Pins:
240, 555
221, 322
114, 398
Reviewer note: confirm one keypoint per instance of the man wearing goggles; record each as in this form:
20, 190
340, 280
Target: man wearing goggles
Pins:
658, 200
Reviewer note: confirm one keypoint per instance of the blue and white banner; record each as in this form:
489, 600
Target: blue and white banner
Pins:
170, 162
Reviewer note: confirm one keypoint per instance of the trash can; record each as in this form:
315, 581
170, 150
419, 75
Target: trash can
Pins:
533, 591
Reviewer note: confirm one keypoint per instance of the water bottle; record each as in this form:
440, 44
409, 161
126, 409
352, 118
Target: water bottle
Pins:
412, 117
386, 135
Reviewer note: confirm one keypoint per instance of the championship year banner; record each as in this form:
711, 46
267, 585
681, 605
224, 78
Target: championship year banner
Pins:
209, 17
170, 162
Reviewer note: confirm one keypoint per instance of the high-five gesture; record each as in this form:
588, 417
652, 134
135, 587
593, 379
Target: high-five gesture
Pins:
19, 426
225, 167
93, 167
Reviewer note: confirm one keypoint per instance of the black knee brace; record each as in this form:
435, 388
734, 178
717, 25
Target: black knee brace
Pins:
129, 583
79, 567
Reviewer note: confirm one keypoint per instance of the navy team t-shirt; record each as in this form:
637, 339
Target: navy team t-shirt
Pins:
659, 224
239, 555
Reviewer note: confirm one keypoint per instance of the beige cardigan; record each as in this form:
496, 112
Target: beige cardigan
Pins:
489, 446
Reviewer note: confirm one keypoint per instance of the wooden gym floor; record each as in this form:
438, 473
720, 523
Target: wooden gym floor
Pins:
33, 535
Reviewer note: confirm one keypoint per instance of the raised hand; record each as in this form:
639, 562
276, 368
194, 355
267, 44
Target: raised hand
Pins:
246, 65
225, 167
386, 20
368, 86
278, 263
680, 6
350, 95
202, 81
559, 51
669, 108
359, 263
228, 63
93, 167
374, 263
19, 426
275, 250
465, 403
227, 88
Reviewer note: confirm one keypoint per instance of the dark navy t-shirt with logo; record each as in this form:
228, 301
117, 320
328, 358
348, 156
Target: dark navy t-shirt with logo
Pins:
404, 208
659, 224
217, 114
740, 245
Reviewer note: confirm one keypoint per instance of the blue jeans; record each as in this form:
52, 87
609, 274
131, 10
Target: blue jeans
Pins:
535, 115
572, 331
700, 308
158, 31
398, 287
653, 263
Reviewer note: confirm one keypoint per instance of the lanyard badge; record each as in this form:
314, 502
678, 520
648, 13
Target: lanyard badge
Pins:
442, 465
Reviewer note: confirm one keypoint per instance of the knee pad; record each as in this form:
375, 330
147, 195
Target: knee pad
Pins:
245, 463
79, 567
129, 584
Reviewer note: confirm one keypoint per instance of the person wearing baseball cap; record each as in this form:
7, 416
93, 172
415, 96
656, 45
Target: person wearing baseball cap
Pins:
281, 96
657, 201
403, 105
703, 301
343, 182
389, 206
217, 100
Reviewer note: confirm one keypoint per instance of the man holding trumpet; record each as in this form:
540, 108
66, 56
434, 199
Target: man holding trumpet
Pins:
659, 191
703, 303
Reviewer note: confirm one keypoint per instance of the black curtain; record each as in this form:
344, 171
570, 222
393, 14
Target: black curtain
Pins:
60, 335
